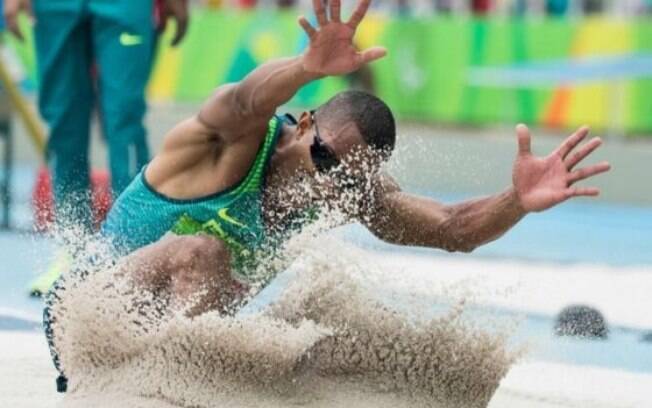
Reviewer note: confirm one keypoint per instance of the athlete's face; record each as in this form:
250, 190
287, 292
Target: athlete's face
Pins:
334, 153
328, 146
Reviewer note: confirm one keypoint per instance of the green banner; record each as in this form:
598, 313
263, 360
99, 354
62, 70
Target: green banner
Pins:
459, 70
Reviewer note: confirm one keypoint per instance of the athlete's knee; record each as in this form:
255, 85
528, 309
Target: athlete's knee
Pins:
198, 251
200, 264
204, 246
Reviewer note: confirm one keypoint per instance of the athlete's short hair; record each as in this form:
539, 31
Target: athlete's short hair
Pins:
372, 117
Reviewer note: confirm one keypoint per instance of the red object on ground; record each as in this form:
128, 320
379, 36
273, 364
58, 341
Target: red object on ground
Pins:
43, 201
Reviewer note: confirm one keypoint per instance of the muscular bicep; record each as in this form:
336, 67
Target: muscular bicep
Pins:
188, 133
220, 121
230, 117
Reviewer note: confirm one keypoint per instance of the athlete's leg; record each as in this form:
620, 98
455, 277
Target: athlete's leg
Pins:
192, 270
65, 101
123, 40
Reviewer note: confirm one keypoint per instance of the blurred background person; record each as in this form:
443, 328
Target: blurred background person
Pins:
92, 53
519, 7
443, 6
88, 53
593, 6
403, 8
212, 4
286, 4
481, 7
557, 7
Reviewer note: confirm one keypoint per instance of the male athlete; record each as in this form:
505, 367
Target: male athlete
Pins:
224, 181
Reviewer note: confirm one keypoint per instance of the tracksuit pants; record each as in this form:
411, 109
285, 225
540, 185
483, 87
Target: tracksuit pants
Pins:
93, 52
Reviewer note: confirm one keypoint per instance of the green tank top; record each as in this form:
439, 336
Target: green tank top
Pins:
141, 215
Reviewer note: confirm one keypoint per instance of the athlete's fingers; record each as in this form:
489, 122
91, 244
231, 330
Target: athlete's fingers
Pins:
307, 27
371, 54
180, 12
587, 172
359, 13
572, 141
11, 19
320, 12
579, 155
524, 139
12, 24
335, 7
182, 27
582, 192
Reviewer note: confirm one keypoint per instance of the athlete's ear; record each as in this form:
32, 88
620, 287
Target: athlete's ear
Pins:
304, 124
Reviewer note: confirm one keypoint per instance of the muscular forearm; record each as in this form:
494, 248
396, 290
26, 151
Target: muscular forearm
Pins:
410, 220
258, 95
476, 222
273, 84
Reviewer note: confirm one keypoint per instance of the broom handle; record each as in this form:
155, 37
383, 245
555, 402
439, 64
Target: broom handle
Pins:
34, 129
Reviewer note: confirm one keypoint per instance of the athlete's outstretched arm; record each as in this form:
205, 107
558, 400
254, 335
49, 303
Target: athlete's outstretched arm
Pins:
234, 120
255, 99
538, 184
407, 219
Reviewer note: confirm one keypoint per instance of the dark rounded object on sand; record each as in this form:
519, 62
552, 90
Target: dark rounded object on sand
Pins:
581, 321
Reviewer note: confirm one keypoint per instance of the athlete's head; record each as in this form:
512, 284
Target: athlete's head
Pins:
353, 128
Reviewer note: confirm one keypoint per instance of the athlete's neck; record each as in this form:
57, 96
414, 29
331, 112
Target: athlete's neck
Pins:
285, 177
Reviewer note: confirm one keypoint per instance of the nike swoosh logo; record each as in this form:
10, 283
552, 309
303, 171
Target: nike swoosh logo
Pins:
223, 215
129, 40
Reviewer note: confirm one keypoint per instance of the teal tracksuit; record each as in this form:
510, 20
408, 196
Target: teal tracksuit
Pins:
75, 38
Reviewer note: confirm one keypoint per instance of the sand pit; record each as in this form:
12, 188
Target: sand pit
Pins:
28, 382
326, 341
26, 371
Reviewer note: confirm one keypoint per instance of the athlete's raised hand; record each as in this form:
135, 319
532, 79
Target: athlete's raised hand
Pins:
331, 50
542, 182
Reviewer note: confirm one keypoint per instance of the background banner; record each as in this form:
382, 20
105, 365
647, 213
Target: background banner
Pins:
458, 70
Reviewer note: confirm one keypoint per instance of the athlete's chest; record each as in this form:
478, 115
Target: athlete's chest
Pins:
285, 206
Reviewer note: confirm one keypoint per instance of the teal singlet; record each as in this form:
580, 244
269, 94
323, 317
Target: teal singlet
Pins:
141, 215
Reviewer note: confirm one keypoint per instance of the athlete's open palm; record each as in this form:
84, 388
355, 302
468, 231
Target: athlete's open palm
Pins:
331, 50
542, 182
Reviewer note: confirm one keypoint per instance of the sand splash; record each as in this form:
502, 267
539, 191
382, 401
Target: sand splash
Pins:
332, 338
326, 341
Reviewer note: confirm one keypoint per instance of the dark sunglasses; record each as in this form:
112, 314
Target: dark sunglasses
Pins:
322, 155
